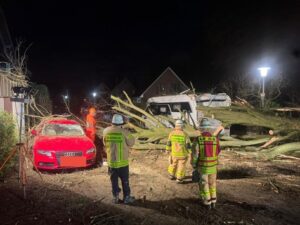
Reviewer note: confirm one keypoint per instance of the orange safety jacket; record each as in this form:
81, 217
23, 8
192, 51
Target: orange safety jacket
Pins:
91, 127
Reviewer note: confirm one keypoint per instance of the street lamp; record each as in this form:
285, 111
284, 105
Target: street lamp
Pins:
66, 101
263, 73
94, 94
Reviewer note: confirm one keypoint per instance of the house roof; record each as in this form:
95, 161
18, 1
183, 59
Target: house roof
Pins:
103, 87
162, 74
124, 85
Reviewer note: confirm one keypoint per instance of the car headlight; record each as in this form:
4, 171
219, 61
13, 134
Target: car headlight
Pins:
90, 151
46, 153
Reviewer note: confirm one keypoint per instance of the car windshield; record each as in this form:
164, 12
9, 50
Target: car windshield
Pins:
62, 130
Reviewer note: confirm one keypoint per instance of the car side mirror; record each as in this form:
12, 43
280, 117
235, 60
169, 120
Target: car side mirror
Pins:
34, 132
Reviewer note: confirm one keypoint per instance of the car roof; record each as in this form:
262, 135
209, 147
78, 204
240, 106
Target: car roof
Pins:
171, 99
61, 121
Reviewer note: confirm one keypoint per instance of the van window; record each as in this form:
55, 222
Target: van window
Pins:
160, 109
180, 107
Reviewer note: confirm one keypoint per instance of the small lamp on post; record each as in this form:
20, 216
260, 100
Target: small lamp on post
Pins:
20, 95
263, 73
66, 100
94, 94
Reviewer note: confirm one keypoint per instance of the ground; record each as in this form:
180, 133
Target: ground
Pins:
250, 191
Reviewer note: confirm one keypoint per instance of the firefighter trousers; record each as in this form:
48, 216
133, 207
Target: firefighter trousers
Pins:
208, 188
177, 167
123, 174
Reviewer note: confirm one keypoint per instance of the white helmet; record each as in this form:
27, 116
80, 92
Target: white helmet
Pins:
117, 119
179, 123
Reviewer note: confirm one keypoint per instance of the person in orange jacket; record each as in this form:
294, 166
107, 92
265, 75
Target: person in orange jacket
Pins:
91, 124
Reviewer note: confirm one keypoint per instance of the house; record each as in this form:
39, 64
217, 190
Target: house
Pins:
103, 90
168, 83
124, 85
16, 109
8, 79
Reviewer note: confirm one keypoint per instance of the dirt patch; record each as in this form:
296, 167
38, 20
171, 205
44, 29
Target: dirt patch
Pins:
245, 195
236, 173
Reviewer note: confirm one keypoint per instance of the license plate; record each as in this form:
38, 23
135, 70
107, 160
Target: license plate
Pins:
74, 161
69, 154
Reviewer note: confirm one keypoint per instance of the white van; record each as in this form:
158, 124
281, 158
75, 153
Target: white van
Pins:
174, 106
214, 100
177, 105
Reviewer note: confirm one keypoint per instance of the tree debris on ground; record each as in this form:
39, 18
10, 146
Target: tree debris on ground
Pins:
151, 131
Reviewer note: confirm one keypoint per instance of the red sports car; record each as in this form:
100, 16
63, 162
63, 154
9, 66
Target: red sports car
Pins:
62, 143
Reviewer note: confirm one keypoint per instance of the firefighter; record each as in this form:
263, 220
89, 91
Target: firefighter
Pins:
220, 130
206, 161
91, 124
180, 146
117, 142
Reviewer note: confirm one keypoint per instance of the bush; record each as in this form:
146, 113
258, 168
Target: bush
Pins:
8, 138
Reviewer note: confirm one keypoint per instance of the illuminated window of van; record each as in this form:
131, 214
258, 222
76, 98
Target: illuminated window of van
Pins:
176, 108
180, 107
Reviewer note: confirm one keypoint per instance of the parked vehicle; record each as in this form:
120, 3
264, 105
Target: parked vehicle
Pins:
214, 100
174, 106
181, 106
62, 143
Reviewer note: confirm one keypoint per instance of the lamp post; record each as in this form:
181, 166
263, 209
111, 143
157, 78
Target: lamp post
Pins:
66, 100
21, 95
263, 73
94, 94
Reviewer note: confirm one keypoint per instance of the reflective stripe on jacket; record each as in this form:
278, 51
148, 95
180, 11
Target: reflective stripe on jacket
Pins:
117, 142
179, 143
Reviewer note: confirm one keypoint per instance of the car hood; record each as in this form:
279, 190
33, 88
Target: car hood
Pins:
63, 143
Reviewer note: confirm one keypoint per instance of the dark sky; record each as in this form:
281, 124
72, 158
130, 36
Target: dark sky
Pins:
77, 45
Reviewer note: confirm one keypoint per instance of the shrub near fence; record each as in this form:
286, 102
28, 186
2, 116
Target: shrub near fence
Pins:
8, 139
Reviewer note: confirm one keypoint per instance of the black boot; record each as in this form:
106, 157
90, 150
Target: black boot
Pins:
116, 199
208, 207
129, 199
213, 205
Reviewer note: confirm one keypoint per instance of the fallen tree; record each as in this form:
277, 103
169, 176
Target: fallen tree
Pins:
287, 130
244, 115
151, 131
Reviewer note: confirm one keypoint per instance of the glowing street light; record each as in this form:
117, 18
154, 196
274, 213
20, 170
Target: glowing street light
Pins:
263, 73
94, 94
66, 97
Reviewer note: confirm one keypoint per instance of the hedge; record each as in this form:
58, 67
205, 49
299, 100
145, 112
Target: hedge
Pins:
8, 139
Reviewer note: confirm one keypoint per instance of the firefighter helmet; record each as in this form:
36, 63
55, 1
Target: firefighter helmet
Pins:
117, 119
179, 123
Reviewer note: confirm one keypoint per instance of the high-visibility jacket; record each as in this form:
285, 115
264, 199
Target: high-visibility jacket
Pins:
179, 143
117, 142
91, 126
209, 149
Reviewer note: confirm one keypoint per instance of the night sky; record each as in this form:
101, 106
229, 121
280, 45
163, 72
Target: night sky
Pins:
75, 46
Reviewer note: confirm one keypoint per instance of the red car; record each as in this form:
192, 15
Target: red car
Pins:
62, 143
